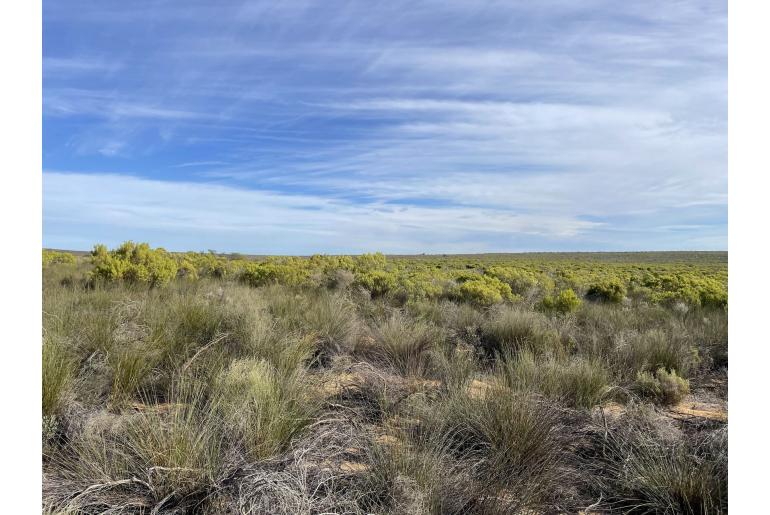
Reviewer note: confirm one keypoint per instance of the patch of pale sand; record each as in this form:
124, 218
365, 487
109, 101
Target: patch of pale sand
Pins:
334, 385
353, 467
611, 410
479, 389
424, 384
692, 408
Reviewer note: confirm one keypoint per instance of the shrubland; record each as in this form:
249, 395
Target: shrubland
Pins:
205, 383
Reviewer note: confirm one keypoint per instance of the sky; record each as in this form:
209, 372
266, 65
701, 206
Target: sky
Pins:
448, 126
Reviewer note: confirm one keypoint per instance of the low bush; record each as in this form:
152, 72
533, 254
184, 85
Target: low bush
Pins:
53, 257
565, 302
664, 386
261, 274
482, 290
609, 290
377, 282
133, 263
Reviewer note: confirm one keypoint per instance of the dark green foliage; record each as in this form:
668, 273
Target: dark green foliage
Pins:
610, 290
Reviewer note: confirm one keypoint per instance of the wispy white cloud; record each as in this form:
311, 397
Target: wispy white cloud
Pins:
578, 119
268, 221
53, 66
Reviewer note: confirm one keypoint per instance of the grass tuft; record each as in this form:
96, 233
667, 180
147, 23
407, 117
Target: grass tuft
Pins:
264, 409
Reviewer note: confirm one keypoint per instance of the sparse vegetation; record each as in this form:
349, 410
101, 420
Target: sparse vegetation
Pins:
199, 383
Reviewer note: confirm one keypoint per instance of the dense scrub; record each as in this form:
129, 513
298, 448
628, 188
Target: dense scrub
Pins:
466, 384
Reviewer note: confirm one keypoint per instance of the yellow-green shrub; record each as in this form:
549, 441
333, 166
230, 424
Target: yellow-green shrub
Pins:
609, 290
377, 282
366, 262
289, 273
565, 302
483, 290
521, 280
53, 257
134, 263
187, 270
689, 288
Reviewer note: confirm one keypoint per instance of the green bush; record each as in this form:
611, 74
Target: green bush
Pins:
521, 281
260, 274
53, 257
664, 386
609, 290
692, 289
133, 263
565, 302
368, 262
482, 290
377, 282
187, 270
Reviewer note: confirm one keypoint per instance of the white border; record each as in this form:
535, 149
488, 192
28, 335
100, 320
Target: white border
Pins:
749, 112
21, 212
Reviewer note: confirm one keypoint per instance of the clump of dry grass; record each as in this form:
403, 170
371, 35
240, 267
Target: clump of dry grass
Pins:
264, 408
510, 329
578, 382
130, 370
167, 455
656, 348
58, 374
638, 470
509, 444
332, 320
403, 344
414, 477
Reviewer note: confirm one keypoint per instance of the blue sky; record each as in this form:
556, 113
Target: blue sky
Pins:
297, 127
